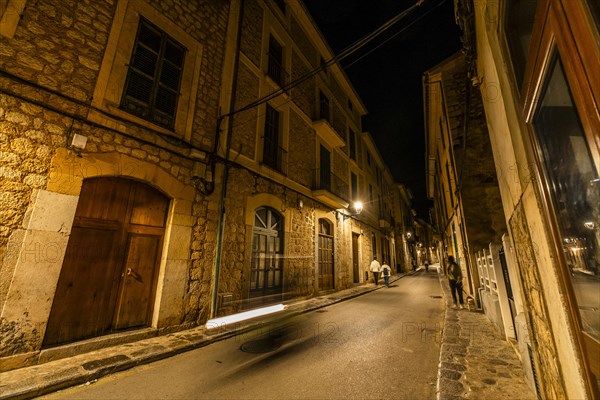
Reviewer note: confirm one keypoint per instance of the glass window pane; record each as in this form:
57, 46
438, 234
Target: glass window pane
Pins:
575, 189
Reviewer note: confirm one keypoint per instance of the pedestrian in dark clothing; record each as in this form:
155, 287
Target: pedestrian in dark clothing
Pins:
387, 271
455, 280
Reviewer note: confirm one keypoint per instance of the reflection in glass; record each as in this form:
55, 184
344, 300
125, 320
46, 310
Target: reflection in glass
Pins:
575, 188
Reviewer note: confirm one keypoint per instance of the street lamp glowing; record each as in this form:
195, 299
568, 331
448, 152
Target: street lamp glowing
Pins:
358, 207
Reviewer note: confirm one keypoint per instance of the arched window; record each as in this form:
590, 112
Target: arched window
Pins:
325, 255
266, 269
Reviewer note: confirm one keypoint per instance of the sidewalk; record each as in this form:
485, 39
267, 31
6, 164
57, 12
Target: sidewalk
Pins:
474, 362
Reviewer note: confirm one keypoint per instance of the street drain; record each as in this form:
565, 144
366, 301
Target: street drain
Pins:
321, 311
436, 297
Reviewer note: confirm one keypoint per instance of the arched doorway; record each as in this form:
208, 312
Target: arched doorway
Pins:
108, 277
325, 255
266, 269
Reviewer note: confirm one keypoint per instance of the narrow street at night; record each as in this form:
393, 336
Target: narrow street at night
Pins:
196, 196
381, 345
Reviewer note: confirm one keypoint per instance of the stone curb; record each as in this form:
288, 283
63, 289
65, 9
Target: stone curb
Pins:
45, 378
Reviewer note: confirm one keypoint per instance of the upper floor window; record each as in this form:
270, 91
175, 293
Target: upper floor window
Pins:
368, 158
518, 26
323, 106
350, 106
352, 144
275, 62
149, 75
273, 154
154, 76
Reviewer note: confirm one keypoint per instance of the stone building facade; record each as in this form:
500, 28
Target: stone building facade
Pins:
297, 160
461, 177
146, 183
535, 65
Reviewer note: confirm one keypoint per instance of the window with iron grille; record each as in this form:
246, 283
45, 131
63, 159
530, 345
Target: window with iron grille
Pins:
275, 62
323, 106
271, 151
154, 76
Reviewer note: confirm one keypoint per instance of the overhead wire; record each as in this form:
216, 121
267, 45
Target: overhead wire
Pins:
334, 60
396, 34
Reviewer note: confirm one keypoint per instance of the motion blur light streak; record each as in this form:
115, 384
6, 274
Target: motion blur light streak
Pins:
222, 321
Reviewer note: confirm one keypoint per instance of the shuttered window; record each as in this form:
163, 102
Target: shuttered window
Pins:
154, 76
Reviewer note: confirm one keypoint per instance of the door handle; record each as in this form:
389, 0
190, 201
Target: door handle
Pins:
134, 275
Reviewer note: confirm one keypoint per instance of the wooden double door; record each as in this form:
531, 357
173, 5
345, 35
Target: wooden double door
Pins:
108, 278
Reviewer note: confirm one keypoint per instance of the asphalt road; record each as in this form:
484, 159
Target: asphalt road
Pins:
382, 345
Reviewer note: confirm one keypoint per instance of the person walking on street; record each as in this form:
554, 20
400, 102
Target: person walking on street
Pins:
387, 271
375, 269
455, 279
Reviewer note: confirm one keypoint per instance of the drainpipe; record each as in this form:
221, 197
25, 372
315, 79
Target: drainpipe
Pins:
221, 222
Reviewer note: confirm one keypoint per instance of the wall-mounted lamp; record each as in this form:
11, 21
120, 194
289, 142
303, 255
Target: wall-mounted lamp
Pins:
300, 204
356, 209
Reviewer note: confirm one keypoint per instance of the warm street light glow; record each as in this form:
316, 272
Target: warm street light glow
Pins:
222, 321
358, 207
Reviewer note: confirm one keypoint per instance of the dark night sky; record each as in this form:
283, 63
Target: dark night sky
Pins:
388, 80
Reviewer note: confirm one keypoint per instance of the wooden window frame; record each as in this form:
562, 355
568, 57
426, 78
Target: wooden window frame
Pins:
113, 71
152, 108
565, 28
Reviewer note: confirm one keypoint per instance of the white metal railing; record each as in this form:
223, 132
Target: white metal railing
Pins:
487, 272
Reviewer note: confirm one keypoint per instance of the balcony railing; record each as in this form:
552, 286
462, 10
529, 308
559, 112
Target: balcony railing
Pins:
326, 180
276, 72
274, 156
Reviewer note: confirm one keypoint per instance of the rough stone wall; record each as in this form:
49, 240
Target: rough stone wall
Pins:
303, 94
244, 123
339, 121
29, 136
300, 262
58, 46
474, 162
306, 47
542, 342
301, 162
252, 23
298, 240
338, 93
340, 167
